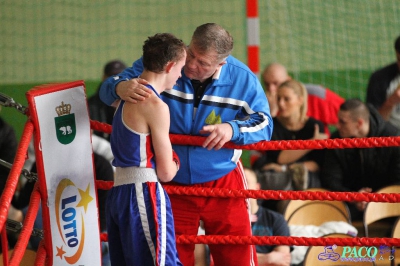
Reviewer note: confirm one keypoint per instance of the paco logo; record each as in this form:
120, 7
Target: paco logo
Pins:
359, 253
71, 204
356, 254
329, 253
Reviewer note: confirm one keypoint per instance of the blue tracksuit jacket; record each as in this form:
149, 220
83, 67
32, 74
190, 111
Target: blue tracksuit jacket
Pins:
234, 96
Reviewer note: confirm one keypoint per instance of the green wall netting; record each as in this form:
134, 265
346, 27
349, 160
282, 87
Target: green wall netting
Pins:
336, 43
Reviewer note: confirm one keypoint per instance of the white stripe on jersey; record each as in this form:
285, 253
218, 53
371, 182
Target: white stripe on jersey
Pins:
245, 106
232, 101
256, 127
143, 150
143, 219
187, 96
236, 155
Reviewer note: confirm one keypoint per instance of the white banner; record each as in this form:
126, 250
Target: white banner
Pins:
65, 142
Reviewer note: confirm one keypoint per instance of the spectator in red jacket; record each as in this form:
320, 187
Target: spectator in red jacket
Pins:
323, 104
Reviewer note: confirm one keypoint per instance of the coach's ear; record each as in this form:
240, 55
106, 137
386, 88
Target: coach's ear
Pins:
221, 64
169, 66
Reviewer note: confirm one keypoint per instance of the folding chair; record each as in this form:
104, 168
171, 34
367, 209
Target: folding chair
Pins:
376, 211
316, 213
295, 204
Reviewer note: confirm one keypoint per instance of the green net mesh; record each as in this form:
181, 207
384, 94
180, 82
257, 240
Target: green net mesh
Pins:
58, 40
335, 43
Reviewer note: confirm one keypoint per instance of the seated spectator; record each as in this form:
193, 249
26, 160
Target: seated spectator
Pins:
366, 169
383, 90
323, 104
298, 168
98, 110
267, 223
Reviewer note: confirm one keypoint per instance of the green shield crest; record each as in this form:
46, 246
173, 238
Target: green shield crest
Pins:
65, 128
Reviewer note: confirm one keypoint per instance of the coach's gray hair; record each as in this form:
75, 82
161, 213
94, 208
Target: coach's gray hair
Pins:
213, 37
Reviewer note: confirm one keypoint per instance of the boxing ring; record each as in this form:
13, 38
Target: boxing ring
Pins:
58, 111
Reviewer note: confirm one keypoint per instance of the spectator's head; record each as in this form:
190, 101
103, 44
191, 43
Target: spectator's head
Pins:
273, 76
353, 119
112, 68
251, 178
164, 53
253, 184
292, 100
211, 44
397, 48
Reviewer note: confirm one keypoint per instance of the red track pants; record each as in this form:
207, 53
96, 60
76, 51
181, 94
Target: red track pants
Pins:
221, 216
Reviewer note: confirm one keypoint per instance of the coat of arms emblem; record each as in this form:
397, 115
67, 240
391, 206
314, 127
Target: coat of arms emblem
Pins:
65, 124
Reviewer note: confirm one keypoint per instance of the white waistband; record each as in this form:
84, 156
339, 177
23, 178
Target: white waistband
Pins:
129, 175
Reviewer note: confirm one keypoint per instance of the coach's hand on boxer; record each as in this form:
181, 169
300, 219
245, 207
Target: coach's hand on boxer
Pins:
219, 134
133, 90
